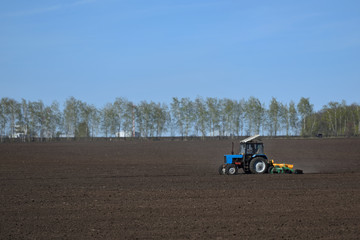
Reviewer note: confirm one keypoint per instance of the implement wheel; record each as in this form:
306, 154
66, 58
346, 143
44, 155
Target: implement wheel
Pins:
277, 170
270, 169
231, 169
258, 165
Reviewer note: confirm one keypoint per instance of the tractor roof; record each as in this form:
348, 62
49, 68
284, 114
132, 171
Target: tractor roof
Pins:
249, 139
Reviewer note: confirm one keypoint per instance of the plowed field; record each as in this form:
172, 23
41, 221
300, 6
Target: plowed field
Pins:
171, 190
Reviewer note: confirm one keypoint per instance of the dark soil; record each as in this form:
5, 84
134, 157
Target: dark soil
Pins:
171, 190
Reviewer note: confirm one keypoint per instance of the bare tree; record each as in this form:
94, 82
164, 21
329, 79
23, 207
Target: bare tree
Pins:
239, 116
201, 116
213, 107
305, 109
119, 108
108, 120
285, 117
71, 116
94, 120
36, 118
293, 118
3, 117
274, 116
176, 115
227, 117
187, 115
255, 112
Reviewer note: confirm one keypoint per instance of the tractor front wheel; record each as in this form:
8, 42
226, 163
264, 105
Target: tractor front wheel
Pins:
222, 170
258, 165
231, 169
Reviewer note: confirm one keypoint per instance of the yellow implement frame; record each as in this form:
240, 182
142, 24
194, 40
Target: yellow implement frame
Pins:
280, 165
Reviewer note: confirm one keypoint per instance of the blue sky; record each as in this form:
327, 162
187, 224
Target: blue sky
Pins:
97, 50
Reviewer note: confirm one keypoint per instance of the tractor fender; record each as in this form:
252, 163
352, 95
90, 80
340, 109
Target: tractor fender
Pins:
260, 156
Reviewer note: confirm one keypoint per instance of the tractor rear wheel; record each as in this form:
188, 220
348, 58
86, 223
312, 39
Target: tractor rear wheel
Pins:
258, 165
222, 170
231, 169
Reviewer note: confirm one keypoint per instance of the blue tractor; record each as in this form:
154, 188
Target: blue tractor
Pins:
251, 158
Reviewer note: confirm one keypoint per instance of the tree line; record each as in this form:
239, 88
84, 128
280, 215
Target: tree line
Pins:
182, 117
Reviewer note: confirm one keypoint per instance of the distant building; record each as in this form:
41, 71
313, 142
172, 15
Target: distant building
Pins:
64, 135
218, 133
19, 131
17, 135
127, 134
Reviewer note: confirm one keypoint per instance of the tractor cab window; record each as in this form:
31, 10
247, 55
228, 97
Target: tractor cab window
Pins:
259, 149
254, 148
250, 148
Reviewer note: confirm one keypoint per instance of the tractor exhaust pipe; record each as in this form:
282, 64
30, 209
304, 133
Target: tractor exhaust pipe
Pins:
232, 148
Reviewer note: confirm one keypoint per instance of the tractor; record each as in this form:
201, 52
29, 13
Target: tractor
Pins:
252, 159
